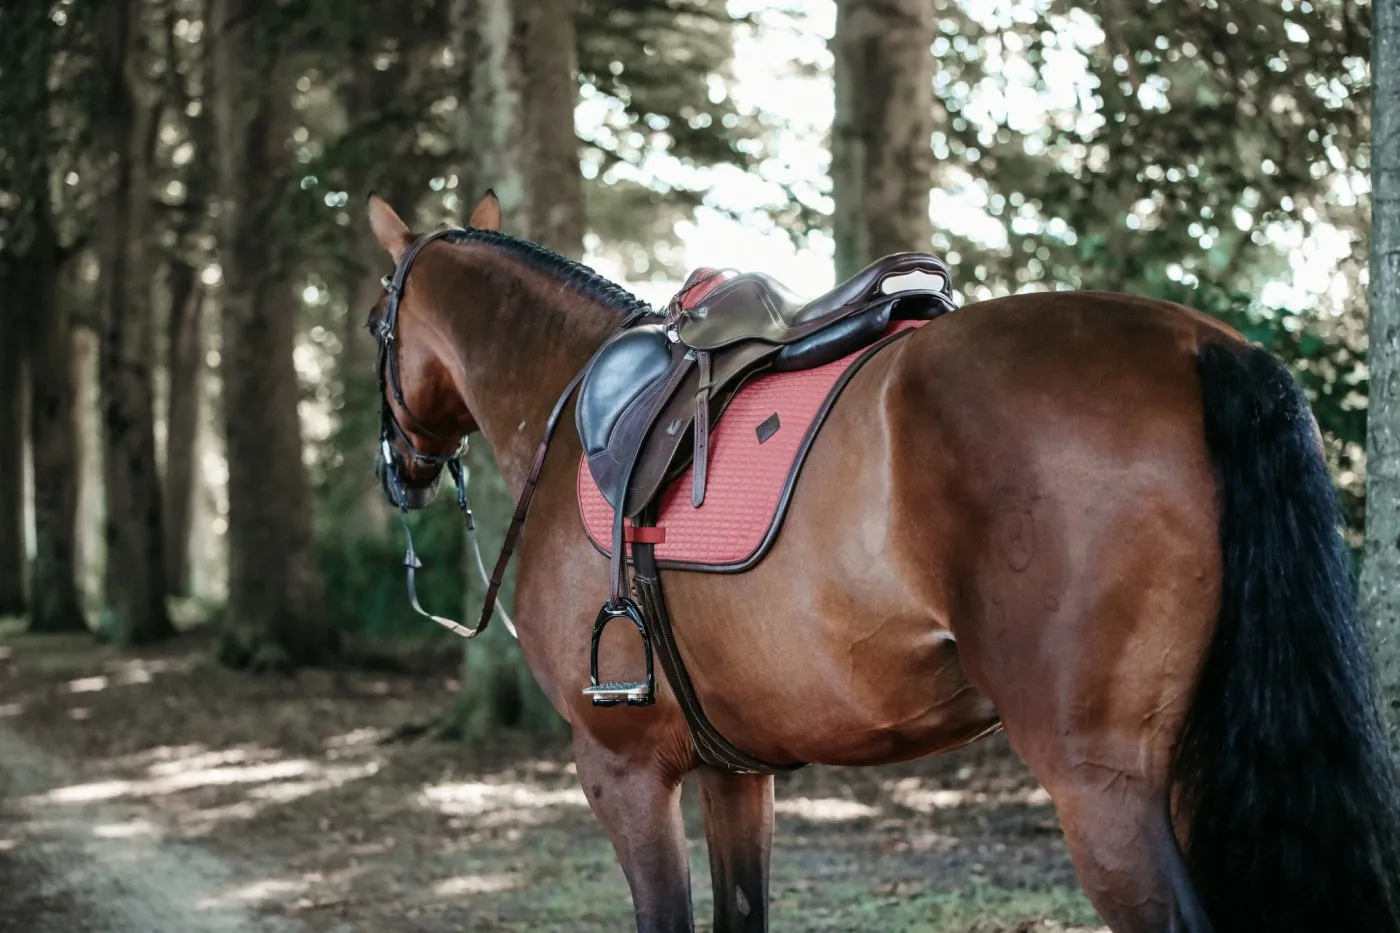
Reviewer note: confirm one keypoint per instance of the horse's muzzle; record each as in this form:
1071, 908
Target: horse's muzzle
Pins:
402, 496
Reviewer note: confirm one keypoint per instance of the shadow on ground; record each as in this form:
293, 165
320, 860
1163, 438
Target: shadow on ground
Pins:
320, 824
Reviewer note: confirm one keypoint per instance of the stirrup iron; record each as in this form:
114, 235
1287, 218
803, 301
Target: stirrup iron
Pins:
614, 693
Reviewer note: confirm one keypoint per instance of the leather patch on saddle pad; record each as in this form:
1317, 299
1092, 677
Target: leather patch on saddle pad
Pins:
752, 470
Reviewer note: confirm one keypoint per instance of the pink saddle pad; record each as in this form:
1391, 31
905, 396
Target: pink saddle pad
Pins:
756, 454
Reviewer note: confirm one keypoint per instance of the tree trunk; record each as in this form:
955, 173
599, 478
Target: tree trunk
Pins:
12, 549
276, 615
33, 289
184, 364
881, 148
54, 442
91, 560
1380, 578
518, 136
184, 359
134, 611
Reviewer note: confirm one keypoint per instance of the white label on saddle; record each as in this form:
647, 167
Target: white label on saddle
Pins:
912, 280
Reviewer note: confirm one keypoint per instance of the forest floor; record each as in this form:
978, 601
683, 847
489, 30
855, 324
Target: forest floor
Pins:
153, 791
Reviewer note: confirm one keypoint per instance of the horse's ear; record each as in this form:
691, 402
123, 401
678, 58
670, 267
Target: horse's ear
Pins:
391, 232
487, 215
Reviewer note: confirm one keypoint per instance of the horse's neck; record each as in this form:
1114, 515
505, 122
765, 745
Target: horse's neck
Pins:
528, 335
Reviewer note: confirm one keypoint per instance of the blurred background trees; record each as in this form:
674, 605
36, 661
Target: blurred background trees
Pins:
185, 377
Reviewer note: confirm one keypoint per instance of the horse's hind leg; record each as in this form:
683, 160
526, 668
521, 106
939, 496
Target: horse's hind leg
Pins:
739, 829
638, 804
1120, 838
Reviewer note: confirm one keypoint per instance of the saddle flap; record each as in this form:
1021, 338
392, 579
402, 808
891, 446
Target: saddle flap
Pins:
667, 448
621, 372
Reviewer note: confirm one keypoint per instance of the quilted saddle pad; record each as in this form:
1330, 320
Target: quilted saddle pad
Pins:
756, 453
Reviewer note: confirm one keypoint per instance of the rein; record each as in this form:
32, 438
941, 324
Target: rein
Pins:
389, 429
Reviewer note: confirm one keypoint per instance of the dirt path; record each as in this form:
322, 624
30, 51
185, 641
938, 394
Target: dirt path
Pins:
70, 864
158, 793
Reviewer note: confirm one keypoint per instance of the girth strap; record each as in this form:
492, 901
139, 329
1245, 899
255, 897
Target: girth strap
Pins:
712, 747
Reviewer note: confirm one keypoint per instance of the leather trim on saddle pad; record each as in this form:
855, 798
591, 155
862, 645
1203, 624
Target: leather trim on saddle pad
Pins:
596, 515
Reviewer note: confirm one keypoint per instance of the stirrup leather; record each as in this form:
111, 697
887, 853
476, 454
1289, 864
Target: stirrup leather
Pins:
614, 693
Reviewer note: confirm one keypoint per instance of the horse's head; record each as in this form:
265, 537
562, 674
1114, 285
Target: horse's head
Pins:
423, 420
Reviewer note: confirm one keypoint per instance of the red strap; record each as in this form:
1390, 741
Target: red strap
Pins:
644, 535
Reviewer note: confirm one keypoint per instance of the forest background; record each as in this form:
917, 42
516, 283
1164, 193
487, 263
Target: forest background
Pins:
187, 412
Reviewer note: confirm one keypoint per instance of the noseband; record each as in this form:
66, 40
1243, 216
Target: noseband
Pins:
390, 429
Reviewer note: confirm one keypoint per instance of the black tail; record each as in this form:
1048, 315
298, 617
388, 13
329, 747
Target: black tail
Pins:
1292, 797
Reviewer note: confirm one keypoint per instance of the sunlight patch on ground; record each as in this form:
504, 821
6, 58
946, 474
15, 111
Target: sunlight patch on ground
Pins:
191, 757
478, 884
204, 820
7, 844
911, 793
8, 710
87, 793
124, 674
257, 892
278, 781
128, 830
825, 809
163, 753
500, 804
237, 774
6, 652
134, 674
324, 779
80, 713
365, 736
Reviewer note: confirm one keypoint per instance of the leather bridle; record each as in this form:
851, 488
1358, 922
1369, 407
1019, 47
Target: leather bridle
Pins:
390, 429
387, 370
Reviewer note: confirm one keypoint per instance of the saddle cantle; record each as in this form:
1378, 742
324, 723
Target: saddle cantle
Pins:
651, 395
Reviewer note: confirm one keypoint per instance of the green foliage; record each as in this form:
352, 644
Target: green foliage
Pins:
360, 539
1174, 134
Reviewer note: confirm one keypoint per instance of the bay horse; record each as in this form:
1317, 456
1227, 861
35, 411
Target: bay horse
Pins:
1099, 522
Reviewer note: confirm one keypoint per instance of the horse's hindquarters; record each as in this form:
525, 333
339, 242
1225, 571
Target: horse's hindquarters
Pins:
1020, 492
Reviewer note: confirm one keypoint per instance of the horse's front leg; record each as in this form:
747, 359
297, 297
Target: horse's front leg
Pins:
637, 800
739, 828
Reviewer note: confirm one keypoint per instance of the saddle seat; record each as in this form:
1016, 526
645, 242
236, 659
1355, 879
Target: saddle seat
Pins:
651, 394
755, 306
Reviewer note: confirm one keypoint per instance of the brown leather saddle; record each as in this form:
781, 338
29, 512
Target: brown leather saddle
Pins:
650, 397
